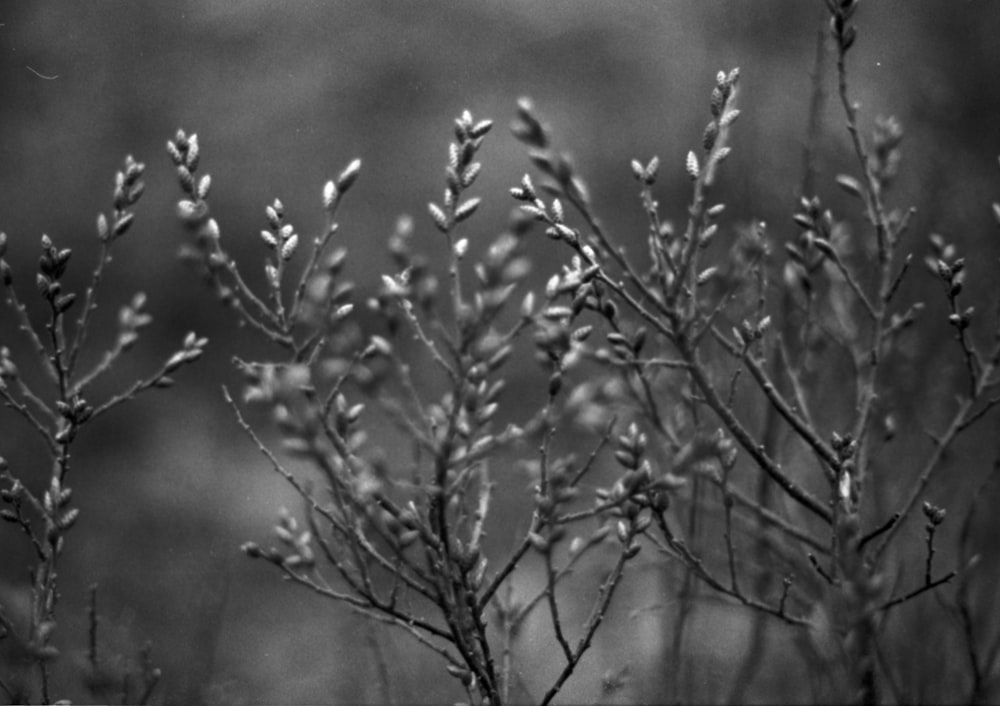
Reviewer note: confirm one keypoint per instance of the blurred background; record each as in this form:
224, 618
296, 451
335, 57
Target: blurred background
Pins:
283, 95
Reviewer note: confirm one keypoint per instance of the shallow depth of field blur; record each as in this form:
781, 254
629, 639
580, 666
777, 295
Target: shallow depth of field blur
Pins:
283, 95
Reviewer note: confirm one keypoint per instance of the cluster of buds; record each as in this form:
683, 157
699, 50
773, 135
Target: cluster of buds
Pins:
577, 281
748, 333
417, 283
73, 413
281, 237
637, 488
193, 210
13, 496
703, 453
724, 114
469, 560
467, 438
818, 241
59, 517
629, 455
560, 175
646, 173
51, 267
185, 154
285, 389
131, 318
502, 267
844, 33
721, 105
192, 348
634, 491
298, 551
327, 296
953, 275
885, 157
624, 349
345, 418
595, 402
815, 240
558, 345
461, 172
552, 498
403, 529
528, 128
497, 275
950, 270
559, 342
334, 189
559, 490
128, 188
297, 543
554, 216
935, 515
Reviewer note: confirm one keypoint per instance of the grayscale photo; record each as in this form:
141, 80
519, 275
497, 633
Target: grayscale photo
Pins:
499, 352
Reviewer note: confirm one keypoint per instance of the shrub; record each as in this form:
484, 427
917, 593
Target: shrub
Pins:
668, 361
713, 405
39, 502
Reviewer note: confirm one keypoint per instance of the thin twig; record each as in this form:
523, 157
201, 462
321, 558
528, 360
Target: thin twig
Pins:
916, 592
959, 423
679, 549
90, 302
746, 440
25, 327
593, 622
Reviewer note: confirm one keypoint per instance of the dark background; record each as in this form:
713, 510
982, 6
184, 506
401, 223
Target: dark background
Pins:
283, 95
